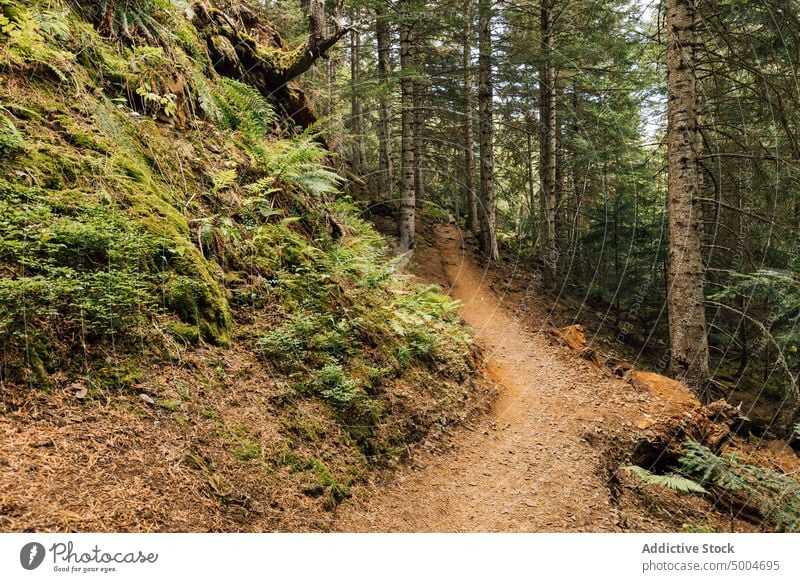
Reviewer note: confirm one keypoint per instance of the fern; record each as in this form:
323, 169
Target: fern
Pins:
204, 96
699, 460
298, 162
774, 496
53, 24
243, 108
10, 137
26, 43
223, 180
672, 481
316, 181
127, 20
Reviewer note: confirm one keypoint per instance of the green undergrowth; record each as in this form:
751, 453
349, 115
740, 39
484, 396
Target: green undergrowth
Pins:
751, 491
350, 327
149, 207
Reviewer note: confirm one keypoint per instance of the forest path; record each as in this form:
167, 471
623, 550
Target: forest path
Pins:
529, 464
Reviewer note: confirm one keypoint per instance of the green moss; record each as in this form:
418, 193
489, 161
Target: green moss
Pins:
189, 288
199, 303
31, 368
167, 404
124, 230
26, 45
280, 59
247, 451
120, 375
327, 483
303, 427
104, 63
209, 413
187, 333
54, 167
25, 113
79, 137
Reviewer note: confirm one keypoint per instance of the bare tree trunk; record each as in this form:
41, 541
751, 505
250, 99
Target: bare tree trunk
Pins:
419, 124
469, 132
333, 63
359, 154
548, 144
485, 95
407, 194
386, 169
686, 275
579, 182
419, 121
529, 168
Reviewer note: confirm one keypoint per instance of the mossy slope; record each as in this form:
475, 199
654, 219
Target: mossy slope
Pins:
157, 219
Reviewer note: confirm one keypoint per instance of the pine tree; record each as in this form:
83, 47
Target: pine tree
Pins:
485, 104
470, 196
686, 275
406, 222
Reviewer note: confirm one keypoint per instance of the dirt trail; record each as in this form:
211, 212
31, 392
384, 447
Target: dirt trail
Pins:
529, 465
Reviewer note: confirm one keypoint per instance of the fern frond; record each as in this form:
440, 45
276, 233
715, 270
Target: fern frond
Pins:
672, 481
53, 24
245, 109
774, 496
317, 181
223, 180
697, 459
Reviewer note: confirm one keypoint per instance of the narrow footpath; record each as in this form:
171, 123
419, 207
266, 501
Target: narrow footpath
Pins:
530, 465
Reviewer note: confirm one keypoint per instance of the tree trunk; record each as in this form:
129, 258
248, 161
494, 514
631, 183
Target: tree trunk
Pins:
359, 154
419, 124
686, 275
386, 169
744, 359
529, 168
407, 195
548, 143
419, 115
107, 18
485, 95
469, 132
617, 269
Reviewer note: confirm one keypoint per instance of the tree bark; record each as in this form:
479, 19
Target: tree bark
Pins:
485, 94
548, 143
419, 124
469, 131
686, 272
529, 168
386, 169
359, 154
407, 194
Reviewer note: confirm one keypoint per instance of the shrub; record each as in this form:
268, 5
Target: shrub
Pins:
10, 137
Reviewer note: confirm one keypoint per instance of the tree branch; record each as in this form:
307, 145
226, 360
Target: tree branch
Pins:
323, 34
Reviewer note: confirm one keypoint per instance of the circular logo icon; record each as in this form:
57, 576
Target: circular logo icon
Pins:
31, 555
